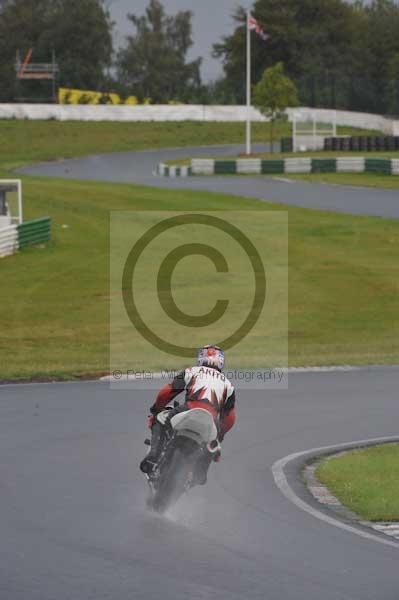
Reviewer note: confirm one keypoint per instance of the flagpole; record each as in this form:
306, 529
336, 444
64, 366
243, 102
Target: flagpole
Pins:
248, 132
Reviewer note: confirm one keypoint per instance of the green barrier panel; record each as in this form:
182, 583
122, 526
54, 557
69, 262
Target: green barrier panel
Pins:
272, 166
224, 167
27, 235
34, 232
35, 223
324, 165
378, 165
34, 241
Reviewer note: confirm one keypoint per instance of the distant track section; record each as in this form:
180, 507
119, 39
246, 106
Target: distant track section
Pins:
140, 168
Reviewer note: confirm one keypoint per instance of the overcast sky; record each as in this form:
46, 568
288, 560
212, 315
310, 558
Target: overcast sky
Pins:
211, 20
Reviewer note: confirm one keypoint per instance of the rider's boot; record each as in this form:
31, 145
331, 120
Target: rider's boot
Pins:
148, 463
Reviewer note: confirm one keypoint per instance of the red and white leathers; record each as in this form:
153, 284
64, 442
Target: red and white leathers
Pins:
206, 388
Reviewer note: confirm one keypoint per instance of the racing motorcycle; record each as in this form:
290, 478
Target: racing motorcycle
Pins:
188, 435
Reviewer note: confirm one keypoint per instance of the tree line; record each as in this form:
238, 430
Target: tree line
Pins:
338, 54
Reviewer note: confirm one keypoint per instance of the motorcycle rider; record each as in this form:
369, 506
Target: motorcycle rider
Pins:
206, 387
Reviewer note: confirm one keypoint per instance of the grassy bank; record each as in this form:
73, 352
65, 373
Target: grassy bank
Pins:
365, 481
343, 281
23, 142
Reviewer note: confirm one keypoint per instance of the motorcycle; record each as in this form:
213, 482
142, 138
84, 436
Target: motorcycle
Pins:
188, 436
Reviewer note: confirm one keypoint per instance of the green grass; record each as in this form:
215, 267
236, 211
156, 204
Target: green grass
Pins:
343, 281
23, 142
366, 481
343, 270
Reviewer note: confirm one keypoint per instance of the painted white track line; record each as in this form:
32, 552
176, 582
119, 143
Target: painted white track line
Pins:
162, 376
292, 370
282, 483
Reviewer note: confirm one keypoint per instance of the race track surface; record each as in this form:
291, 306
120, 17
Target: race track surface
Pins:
138, 167
73, 520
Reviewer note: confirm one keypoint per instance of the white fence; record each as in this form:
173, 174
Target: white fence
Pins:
8, 240
69, 112
347, 118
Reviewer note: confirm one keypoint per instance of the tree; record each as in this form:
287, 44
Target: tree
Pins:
81, 34
80, 31
392, 87
315, 39
383, 43
273, 94
153, 63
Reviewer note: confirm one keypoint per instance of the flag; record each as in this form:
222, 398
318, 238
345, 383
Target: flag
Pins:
254, 26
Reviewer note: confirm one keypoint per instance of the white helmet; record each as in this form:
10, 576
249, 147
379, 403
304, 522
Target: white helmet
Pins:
211, 356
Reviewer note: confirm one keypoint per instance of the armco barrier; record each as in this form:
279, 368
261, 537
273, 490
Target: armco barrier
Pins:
378, 165
272, 167
203, 166
350, 164
395, 166
324, 165
297, 165
8, 240
34, 232
225, 167
248, 166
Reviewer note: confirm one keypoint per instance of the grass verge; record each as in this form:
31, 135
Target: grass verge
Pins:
366, 481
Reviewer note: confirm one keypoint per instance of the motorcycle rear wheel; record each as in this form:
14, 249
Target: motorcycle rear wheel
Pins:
173, 481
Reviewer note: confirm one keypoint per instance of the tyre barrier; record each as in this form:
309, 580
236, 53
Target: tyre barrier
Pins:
29, 233
257, 166
370, 143
287, 145
173, 170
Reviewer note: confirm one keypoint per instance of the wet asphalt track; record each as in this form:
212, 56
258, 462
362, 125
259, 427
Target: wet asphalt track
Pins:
73, 523
72, 520
138, 167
